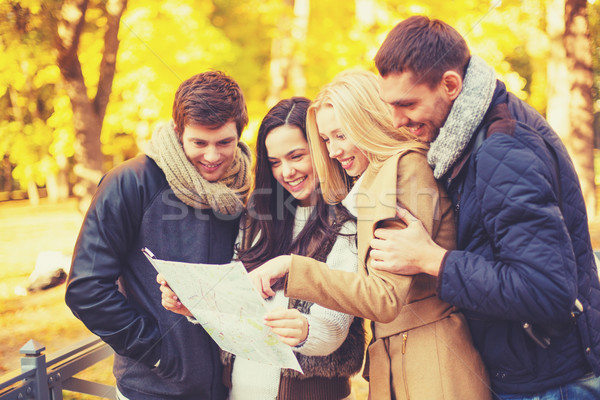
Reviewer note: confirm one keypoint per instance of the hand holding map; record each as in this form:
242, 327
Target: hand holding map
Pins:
224, 301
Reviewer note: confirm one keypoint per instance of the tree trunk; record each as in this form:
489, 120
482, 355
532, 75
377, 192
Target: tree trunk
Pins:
88, 114
32, 193
299, 38
62, 178
52, 187
7, 175
288, 53
558, 90
580, 141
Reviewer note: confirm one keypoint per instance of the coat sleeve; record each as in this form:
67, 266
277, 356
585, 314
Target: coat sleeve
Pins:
327, 328
371, 294
100, 255
532, 276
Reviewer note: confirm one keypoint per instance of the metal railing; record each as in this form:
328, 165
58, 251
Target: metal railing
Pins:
45, 380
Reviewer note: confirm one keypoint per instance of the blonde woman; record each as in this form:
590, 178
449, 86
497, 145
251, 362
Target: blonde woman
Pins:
421, 347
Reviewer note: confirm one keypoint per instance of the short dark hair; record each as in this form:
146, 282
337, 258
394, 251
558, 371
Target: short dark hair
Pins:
210, 99
426, 47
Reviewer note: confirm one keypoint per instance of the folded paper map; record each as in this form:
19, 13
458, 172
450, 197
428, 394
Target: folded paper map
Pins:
224, 301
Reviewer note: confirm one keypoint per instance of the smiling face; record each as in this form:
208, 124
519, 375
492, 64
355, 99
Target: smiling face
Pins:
211, 151
418, 107
339, 147
291, 165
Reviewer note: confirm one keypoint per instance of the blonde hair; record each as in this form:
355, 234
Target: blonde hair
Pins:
364, 119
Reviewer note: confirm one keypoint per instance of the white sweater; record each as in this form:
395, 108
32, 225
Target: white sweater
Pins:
327, 329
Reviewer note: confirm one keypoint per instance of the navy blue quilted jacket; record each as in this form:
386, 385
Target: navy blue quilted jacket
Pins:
524, 251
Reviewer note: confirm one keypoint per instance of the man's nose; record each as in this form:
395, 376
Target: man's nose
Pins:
399, 118
211, 155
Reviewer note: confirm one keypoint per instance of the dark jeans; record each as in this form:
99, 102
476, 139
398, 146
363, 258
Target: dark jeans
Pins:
585, 388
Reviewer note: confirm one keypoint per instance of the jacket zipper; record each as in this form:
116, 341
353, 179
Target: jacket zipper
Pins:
404, 339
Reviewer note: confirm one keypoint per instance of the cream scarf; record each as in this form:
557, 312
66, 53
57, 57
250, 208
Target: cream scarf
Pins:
226, 196
466, 114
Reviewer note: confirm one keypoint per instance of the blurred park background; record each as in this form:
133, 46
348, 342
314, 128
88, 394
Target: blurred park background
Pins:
84, 82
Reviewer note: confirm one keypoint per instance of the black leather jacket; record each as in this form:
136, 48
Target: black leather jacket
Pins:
134, 207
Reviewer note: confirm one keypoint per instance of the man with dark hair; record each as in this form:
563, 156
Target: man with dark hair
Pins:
182, 200
524, 272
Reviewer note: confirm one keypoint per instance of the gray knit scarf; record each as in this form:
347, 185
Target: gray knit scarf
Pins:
466, 114
226, 196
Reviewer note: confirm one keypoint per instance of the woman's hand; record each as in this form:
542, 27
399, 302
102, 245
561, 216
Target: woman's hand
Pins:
268, 273
288, 324
170, 301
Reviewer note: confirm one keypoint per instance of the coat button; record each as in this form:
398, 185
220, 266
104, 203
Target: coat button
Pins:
588, 350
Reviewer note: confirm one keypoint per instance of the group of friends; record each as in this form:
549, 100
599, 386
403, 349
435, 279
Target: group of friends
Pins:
427, 200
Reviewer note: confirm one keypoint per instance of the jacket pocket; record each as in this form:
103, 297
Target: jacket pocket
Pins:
509, 352
168, 367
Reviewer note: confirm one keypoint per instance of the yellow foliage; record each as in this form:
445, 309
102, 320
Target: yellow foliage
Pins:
49, 74
161, 44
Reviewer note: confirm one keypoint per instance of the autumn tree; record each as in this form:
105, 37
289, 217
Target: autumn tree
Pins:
88, 113
570, 82
52, 119
288, 51
34, 120
44, 97
580, 140
558, 73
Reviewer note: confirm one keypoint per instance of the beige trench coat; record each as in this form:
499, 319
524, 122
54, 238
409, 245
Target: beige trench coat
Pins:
422, 347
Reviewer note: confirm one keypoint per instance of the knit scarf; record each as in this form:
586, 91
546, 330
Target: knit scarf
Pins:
225, 196
466, 114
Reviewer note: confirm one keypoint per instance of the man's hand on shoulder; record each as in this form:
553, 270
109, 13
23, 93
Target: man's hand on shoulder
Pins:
407, 251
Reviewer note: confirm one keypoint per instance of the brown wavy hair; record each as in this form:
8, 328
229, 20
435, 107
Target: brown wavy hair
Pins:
426, 47
210, 99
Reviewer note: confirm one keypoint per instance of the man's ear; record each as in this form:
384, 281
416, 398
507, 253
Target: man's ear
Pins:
451, 84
